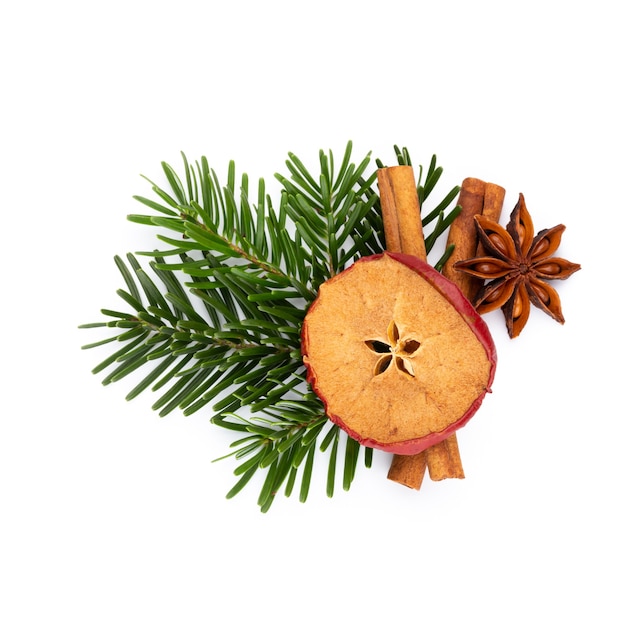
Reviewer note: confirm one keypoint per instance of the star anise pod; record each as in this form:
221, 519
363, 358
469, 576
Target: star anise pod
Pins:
516, 265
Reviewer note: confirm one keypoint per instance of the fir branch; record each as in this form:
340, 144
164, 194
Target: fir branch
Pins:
215, 318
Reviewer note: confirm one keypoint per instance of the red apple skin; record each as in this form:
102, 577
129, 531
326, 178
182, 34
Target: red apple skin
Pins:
474, 321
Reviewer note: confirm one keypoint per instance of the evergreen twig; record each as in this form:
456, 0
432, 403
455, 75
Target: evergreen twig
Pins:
215, 318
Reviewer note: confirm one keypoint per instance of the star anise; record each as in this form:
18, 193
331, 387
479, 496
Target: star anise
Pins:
516, 265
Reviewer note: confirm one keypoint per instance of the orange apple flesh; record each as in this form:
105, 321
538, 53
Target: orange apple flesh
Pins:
400, 358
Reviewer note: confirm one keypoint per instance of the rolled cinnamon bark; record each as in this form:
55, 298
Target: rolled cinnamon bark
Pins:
401, 211
492, 207
444, 459
476, 197
494, 201
462, 235
403, 233
408, 470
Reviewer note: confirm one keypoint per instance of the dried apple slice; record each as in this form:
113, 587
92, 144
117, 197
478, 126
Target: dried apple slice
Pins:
397, 354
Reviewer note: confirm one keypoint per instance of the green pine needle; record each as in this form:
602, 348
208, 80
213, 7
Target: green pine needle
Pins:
215, 315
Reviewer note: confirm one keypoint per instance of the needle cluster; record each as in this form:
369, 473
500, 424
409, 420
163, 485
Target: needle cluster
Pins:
213, 317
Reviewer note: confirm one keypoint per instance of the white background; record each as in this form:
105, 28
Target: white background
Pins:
111, 515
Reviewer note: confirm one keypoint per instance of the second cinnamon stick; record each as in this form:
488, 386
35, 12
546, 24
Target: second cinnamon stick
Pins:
476, 197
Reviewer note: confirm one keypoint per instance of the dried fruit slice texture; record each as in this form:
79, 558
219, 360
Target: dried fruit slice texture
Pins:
398, 355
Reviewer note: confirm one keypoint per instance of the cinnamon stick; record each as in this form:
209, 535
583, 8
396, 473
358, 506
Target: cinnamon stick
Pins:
462, 235
476, 197
444, 459
401, 211
492, 207
403, 233
408, 470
